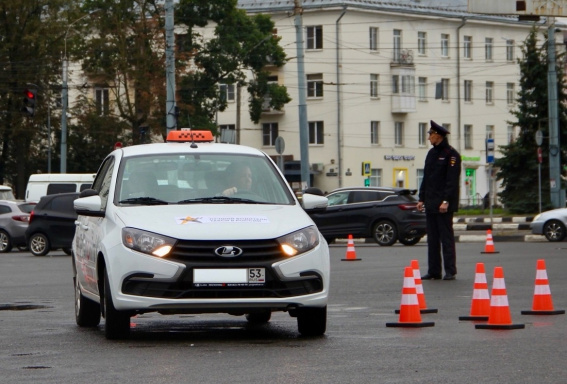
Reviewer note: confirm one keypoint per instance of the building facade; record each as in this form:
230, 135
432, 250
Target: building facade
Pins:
376, 73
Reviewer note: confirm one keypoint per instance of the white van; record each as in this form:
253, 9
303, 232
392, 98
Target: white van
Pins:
43, 184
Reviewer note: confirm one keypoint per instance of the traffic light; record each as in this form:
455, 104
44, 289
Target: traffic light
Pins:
30, 97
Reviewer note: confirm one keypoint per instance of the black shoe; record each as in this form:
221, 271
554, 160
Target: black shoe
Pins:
430, 277
448, 276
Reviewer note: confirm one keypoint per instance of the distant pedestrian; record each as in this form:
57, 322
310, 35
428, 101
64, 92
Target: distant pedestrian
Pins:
439, 196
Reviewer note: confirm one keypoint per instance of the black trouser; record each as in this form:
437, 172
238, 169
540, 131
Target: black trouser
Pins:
440, 236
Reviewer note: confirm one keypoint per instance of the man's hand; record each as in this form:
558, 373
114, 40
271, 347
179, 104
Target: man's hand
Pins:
420, 206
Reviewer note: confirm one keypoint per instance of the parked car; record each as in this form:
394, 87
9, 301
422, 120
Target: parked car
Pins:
385, 214
6, 193
165, 229
552, 224
52, 224
14, 219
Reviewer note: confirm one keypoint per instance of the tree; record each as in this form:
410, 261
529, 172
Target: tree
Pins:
518, 168
240, 44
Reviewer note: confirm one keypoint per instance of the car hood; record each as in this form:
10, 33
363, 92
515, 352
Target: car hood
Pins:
207, 221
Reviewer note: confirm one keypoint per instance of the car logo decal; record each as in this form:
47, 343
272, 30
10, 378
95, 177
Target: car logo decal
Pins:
228, 251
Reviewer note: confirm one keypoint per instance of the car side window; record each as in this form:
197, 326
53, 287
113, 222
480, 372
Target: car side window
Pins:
338, 198
103, 180
5, 209
364, 196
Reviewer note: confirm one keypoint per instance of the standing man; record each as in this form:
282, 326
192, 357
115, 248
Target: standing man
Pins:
439, 196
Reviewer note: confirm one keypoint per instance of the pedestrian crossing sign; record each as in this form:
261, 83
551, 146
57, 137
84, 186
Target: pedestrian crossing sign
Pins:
366, 168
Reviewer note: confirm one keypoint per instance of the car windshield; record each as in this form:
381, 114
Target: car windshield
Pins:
213, 178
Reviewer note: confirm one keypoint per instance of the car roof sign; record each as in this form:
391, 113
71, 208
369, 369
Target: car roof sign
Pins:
189, 136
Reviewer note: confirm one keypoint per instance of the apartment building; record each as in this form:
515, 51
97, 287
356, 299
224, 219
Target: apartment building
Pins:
376, 73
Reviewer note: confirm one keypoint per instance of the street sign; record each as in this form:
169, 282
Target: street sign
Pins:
490, 151
366, 168
539, 155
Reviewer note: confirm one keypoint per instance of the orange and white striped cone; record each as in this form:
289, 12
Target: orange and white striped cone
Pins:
419, 289
480, 304
499, 317
542, 303
350, 252
489, 246
409, 308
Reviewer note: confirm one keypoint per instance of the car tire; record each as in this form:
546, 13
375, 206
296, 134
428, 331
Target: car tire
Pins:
5, 242
39, 244
330, 240
312, 321
87, 312
259, 317
117, 323
410, 240
554, 230
385, 233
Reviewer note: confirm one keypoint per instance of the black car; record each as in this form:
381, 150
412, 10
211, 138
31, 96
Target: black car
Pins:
385, 214
52, 224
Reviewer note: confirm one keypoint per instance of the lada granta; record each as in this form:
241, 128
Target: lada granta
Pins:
192, 226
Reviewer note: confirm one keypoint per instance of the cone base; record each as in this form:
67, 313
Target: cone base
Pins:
490, 252
411, 325
553, 312
351, 259
474, 318
500, 326
423, 310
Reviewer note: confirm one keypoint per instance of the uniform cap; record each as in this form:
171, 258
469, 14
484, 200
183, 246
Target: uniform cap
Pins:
439, 129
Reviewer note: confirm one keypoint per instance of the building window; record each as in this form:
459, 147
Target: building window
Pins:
421, 43
395, 84
419, 177
374, 85
315, 85
510, 50
315, 37
468, 91
422, 88
445, 89
102, 101
397, 45
468, 136
375, 132
489, 92
316, 132
444, 45
488, 48
269, 134
376, 177
423, 128
490, 131
404, 84
510, 135
227, 133
373, 31
467, 47
227, 92
510, 93
399, 133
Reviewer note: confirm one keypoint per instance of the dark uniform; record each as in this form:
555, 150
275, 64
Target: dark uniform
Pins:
441, 178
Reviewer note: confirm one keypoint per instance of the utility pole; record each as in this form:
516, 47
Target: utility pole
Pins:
302, 89
557, 194
171, 120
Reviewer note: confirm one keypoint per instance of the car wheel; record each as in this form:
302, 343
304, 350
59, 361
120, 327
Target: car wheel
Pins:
330, 239
312, 321
385, 233
87, 312
67, 251
409, 240
259, 317
554, 230
39, 244
117, 323
5, 242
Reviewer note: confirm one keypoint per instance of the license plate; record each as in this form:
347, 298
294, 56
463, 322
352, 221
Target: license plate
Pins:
232, 277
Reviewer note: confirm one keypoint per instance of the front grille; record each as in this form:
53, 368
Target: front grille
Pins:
200, 251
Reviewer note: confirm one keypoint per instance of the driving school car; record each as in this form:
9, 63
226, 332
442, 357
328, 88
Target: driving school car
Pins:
156, 234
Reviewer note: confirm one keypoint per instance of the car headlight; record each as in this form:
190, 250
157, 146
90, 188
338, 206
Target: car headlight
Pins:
300, 241
537, 217
147, 242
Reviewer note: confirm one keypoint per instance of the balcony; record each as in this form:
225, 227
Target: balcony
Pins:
403, 82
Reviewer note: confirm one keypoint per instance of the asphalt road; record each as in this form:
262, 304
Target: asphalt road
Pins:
40, 343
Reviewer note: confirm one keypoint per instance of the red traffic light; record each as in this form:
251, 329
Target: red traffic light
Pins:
30, 94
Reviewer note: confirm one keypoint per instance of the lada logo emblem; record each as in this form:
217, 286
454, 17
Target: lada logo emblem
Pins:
228, 251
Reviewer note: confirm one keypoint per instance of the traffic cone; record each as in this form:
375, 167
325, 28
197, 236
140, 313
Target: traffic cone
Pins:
419, 289
542, 303
489, 247
409, 308
350, 252
480, 304
499, 317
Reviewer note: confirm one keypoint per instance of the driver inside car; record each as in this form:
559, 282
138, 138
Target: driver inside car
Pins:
239, 178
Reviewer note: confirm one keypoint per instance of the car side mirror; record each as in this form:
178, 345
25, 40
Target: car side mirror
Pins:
87, 193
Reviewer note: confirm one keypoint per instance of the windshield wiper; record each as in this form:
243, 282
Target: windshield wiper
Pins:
144, 201
218, 200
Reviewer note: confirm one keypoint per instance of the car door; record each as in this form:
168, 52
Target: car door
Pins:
62, 218
333, 222
362, 210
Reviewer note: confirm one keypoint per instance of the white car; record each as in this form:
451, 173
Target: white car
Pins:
551, 224
162, 230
